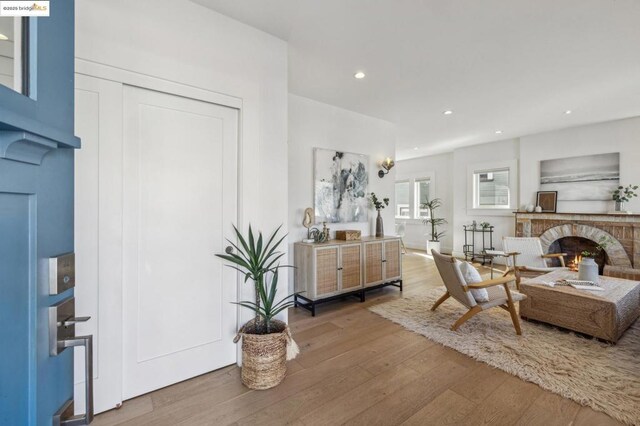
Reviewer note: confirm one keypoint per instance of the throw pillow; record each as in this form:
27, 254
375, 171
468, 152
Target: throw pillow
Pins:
472, 276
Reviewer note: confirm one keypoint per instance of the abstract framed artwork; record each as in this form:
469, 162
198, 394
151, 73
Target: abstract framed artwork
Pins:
548, 200
341, 181
584, 178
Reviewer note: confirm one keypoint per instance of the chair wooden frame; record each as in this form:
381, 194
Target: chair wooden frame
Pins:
509, 307
516, 269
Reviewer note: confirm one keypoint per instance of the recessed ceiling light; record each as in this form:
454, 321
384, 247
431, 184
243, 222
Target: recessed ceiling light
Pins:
3, 37
359, 75
498, 132
568, 112
448, 112
415, 148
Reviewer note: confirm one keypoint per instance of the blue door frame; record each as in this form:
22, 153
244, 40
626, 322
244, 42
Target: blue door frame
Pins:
36, 220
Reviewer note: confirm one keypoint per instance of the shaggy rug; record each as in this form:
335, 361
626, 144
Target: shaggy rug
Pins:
592, 373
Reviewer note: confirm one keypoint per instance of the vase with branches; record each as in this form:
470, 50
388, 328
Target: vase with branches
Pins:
378, 205
433, 222
623, 195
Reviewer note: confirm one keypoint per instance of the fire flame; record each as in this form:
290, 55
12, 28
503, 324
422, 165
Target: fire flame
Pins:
573, 265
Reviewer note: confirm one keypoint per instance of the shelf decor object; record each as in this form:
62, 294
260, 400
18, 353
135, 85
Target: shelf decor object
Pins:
547, 201
348, 235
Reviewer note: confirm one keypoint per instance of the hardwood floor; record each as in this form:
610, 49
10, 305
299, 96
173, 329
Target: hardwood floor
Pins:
358, 368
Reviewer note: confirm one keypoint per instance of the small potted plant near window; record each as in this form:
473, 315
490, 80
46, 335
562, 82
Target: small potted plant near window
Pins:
588, 268
623, 195
433, 243
378, 205
266, 342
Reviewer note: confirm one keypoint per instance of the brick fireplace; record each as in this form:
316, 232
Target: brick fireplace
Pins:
622, 257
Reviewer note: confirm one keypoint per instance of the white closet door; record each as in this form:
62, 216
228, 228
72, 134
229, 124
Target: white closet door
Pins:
180, 199
98, 237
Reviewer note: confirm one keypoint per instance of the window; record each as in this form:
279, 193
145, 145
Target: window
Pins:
410, 195
14, 56
491, 189
421, 191
402, 200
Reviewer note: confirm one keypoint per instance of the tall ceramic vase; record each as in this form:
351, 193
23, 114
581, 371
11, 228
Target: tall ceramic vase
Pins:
588, 270
379, 227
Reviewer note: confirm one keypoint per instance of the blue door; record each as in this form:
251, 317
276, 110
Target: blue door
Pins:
36, 208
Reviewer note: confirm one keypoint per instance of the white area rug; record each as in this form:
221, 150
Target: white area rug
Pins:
595, 374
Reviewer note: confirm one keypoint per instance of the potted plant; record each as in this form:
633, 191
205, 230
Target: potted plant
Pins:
588, 268
378, 205
623, 195
433, 243
266, 342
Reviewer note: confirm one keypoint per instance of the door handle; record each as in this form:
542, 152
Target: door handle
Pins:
73, 321
64, 416
62, 335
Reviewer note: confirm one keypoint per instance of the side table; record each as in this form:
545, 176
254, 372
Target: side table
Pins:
492, 254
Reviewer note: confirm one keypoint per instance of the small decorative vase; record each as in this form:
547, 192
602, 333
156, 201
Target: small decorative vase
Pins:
588, 270
619, 206
538, 209
379, 226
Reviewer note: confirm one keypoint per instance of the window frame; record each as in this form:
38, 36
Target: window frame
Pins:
416, 199
395, 206
412, 179
473, 206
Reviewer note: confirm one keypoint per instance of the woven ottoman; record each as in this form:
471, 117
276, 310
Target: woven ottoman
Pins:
602, 314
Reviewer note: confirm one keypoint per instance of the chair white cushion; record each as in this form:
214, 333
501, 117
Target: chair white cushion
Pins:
472, 276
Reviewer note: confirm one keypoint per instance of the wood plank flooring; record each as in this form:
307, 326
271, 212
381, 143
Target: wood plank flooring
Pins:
358, 368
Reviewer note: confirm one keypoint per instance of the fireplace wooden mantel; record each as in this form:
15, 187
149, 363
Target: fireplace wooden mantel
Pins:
623, 255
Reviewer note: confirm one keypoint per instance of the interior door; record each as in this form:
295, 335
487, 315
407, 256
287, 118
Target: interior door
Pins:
180, 199
98, 236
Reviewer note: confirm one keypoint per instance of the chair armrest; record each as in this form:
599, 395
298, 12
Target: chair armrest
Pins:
559, 256
551, 255
490, 283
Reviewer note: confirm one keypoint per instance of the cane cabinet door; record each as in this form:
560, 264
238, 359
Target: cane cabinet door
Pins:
373, 257
392, 260
326, 260
350, 267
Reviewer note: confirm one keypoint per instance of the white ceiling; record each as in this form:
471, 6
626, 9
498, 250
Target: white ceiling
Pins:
512, 65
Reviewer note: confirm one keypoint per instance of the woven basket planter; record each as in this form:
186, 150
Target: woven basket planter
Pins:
264, 356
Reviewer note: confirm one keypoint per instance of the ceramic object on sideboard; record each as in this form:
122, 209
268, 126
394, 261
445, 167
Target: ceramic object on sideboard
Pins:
379, 226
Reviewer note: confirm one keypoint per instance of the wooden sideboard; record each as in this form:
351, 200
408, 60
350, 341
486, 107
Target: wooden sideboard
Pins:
336, 269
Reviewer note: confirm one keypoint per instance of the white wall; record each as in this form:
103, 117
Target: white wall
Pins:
613, 136
439, 167
183, 42
463, 214
314, 124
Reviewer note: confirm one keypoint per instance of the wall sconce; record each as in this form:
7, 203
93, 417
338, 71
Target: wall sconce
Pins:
387, 165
